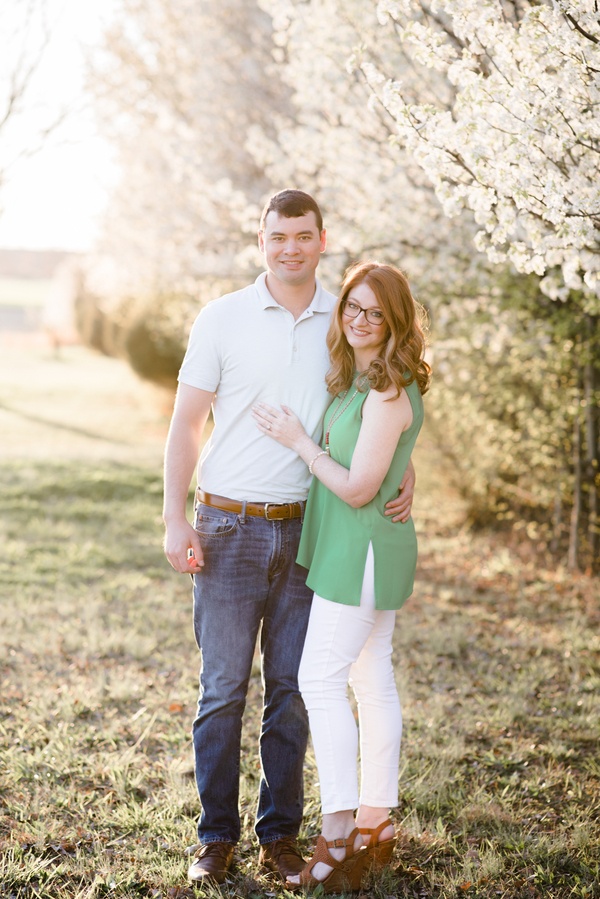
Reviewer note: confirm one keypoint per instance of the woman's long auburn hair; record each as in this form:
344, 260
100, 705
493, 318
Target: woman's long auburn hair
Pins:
400, 361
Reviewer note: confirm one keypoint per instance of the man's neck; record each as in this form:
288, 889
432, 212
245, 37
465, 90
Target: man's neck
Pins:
296, 298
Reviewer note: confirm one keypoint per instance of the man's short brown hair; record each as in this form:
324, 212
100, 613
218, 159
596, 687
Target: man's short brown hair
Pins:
291, 204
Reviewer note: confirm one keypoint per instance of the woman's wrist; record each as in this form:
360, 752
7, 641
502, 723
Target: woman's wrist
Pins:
312, 461
306, 448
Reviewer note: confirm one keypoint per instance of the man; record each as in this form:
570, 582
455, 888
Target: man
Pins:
265, 342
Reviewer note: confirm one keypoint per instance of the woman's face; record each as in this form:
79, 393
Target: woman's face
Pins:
365, 337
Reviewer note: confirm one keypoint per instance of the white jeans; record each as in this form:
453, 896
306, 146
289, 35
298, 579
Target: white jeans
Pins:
352, 644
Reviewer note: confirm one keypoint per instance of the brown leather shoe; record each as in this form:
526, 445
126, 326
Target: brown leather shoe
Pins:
282, 857
211, 862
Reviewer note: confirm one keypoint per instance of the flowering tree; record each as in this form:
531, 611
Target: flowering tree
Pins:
178, 87
376, 199
495, 103
519, 145
456, 139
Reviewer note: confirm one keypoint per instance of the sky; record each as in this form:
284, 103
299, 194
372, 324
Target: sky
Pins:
54, 198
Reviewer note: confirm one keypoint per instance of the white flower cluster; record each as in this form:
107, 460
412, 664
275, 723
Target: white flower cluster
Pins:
342, 147
518, 143
177, 114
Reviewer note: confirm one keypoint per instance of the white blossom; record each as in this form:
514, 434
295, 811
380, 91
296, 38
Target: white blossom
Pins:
519, 142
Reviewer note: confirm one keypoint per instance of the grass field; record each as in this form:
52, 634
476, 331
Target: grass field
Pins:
497, 660
23, 291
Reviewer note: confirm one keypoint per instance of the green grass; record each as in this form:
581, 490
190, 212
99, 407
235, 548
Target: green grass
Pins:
497, 660
23, 291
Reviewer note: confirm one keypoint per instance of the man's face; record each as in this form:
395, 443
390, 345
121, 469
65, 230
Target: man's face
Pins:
292, 247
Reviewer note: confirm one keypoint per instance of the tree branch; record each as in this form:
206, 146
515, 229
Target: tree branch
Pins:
577, 27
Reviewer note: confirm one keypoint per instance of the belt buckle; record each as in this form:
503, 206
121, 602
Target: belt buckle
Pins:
288, 507
267, 509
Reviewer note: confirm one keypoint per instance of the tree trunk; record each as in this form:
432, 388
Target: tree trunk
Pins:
573, 554
557, 520
592, 470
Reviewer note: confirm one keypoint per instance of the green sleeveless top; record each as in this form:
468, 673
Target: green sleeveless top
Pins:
335, 537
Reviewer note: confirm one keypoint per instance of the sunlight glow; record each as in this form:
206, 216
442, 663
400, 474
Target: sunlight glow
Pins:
53, 199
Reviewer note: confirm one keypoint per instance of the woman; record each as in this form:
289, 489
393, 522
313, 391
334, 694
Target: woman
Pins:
361, 566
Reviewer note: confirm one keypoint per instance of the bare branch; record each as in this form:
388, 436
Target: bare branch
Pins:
582, 31
31, 36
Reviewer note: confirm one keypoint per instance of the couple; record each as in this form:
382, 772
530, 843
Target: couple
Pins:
283, 344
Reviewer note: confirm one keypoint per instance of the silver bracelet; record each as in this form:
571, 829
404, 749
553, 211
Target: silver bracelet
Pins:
322, 453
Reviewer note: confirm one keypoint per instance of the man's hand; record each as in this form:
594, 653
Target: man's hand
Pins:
399, 509
192, 407
183, 549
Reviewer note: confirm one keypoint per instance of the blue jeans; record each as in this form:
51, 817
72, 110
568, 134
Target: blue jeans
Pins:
250, 578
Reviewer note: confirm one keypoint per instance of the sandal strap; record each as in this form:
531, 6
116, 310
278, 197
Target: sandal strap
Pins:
347, 844
322, 854
374, 832
342, 870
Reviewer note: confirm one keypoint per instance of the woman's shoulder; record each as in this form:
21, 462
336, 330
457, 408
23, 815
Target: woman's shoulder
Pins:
388, 405
388, 395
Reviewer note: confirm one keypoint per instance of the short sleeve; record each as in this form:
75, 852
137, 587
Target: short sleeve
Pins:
201, 366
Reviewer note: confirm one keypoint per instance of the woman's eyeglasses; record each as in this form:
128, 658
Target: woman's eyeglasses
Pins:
353, 310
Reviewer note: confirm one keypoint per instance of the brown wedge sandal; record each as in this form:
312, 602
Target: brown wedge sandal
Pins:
346, 875
379, 854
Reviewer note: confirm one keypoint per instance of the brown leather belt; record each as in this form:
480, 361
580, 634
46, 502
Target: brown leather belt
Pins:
270, 511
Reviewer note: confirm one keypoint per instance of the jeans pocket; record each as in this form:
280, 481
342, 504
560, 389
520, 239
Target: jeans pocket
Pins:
211, 522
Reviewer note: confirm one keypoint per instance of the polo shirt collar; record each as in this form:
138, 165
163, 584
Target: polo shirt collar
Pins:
318, 303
